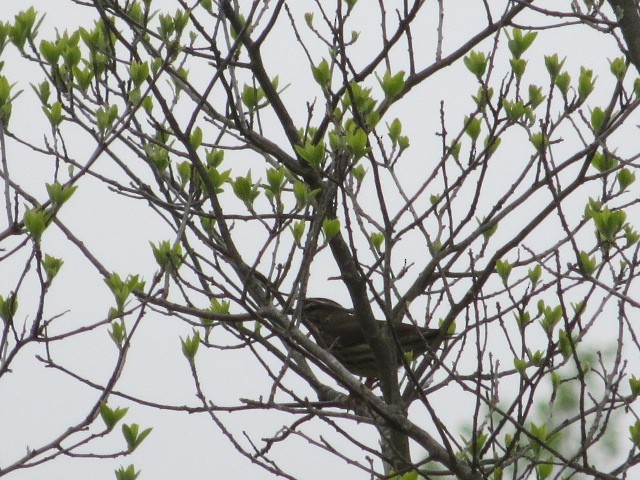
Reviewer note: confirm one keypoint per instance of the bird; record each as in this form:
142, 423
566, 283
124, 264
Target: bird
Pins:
338, 330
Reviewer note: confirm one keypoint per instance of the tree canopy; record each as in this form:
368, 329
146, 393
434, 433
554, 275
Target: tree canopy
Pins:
191, 172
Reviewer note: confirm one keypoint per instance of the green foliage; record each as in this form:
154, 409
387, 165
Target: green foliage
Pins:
563, 82
118, 332
330, 228
122, 289
476, 63
105, 118
54, 114
8, 307
503, 269
357, 143
133, 436
313, 154
518, 66
245, 189
128, 473
59, 194
587, 264
6, 101
625, 178
473, 127
190, 346
168, 256
554, 65
608, 224
539, 141
603, 162
534, 275
535, 96
519, 43
618, 67
297, 229
586, 83
24, 28
377, 239
110, 416
598, 118
550, 318
322, 74
51, 266
35, 222
392, 85
634, 430
634, 385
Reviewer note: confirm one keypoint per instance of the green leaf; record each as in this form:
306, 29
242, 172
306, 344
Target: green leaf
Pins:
553, 65
8, 307
518, 66
357, 143
50, 52
539, 141
322, 74
550, 318
59, 194
586, 83
634, 430
535, 274
35, 223
587, 264
544, 470
196, 138
483, 97
392, 85
514, 110
625, 178
634, 384
603, 162
563, 82
454, 149
308, 18
168, 256
251, 96
313, 154
520, 365
608, 223
519, 43
503, 268
358, 173
298, 230
132, 435
395, 130
618, 67
488, 233
473, 127
54, 114
377, 239
51, 266
184, 171
190, 346
118, 332
122, 289
245, 189
128, 473
330, 228
523, 319
111, 417
535, 96
598, 118
476, 63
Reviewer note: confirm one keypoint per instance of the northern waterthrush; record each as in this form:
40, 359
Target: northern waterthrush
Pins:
337, 329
